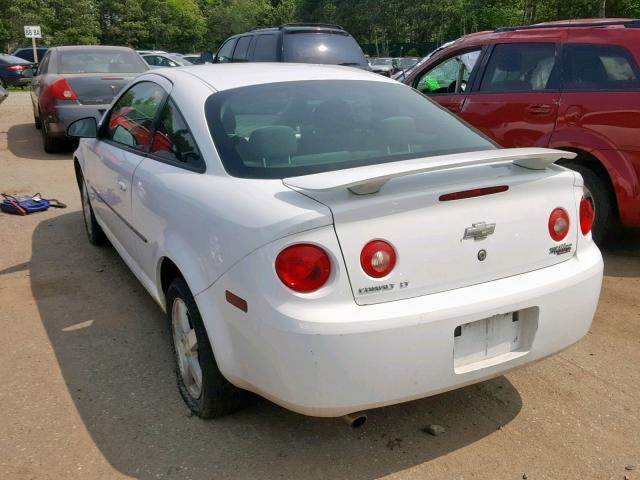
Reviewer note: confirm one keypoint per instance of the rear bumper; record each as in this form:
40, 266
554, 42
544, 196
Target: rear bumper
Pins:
64, 115
341, 357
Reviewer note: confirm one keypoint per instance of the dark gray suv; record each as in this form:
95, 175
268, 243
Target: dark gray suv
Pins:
296, 43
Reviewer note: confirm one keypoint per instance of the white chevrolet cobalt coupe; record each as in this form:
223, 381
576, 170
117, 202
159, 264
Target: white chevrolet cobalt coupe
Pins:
332, 240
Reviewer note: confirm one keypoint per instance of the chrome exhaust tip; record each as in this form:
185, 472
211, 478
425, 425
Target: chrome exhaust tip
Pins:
355, 420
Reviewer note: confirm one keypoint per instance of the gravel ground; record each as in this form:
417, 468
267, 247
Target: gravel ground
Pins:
87, 388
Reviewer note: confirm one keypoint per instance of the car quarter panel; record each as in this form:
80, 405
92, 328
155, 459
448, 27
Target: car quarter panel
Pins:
205, 223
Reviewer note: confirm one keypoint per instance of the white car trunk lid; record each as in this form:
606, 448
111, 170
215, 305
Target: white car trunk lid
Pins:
428, 233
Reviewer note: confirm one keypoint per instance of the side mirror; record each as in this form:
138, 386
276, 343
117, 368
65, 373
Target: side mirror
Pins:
83, 128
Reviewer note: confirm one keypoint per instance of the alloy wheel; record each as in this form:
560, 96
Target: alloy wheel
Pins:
185, 342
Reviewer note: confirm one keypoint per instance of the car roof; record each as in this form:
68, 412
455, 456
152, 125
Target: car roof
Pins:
71, 48
233, 75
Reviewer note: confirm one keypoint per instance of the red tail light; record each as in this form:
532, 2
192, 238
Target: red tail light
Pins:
17, 68
377, 258
303, 268
559, 224
476, 192
587, 215
60, 90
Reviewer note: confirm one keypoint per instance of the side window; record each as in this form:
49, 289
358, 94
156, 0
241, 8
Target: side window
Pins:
173, 140
266, 49
131, 118
225, 52
44, 64
449, 76
520, 67
151, 59
599, 67
240, 53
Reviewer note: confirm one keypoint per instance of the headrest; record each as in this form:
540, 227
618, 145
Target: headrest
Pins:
334, 114
229, 121
273, 142
398, 130
509, 61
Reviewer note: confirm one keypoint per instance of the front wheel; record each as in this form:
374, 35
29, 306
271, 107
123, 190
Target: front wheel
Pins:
95, 234
202, 386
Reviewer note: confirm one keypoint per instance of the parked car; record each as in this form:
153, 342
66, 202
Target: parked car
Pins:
193, 58
3, 94
334, 242
157, 60
73, 82
405, 63
293, 43
14, 71
26, 53
570, 85
382, 65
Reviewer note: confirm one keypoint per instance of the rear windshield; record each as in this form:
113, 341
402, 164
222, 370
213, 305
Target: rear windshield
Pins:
287, 129
322, 47
100, 61
10, 59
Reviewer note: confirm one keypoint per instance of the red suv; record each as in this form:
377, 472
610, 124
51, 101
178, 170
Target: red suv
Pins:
573, 85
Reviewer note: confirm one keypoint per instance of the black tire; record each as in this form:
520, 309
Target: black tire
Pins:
95, 234
49, 143
603, 200
217, 396
36, 121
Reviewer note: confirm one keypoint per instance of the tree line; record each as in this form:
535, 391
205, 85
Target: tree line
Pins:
195, 25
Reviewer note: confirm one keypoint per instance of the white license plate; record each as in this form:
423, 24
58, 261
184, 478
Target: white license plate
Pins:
489, 338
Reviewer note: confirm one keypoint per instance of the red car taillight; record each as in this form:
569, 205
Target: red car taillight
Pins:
303, 267
558, 224
377, 258
587, 215
60, 90
17, 68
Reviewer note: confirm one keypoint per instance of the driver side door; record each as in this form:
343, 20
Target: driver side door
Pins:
446, 80
124, 139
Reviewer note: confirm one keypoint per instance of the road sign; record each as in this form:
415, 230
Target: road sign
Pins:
32, 31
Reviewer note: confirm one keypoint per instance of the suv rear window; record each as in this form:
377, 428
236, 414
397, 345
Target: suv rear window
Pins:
322, 47
287, 129
599, 67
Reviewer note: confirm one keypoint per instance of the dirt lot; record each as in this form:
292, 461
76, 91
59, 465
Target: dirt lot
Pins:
87, 388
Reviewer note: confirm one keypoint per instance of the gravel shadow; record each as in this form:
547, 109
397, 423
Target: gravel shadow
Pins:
24, 141
112, 344
622, 254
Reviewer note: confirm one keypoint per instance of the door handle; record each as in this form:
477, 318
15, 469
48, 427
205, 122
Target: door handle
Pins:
122, 186
539, 109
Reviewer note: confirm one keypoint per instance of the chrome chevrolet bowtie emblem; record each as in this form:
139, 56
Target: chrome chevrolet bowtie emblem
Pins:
480, 230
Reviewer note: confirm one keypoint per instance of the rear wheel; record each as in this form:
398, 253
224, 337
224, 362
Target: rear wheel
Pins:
599, 192
36, 121
49, 143
204, 389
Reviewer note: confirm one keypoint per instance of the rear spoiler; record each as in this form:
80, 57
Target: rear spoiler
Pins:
369, 179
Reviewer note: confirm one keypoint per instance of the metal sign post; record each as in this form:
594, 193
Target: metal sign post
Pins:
33, 32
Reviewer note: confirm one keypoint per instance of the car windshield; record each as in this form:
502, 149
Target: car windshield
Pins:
100, 61
322, 47
287, 129
382, 61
